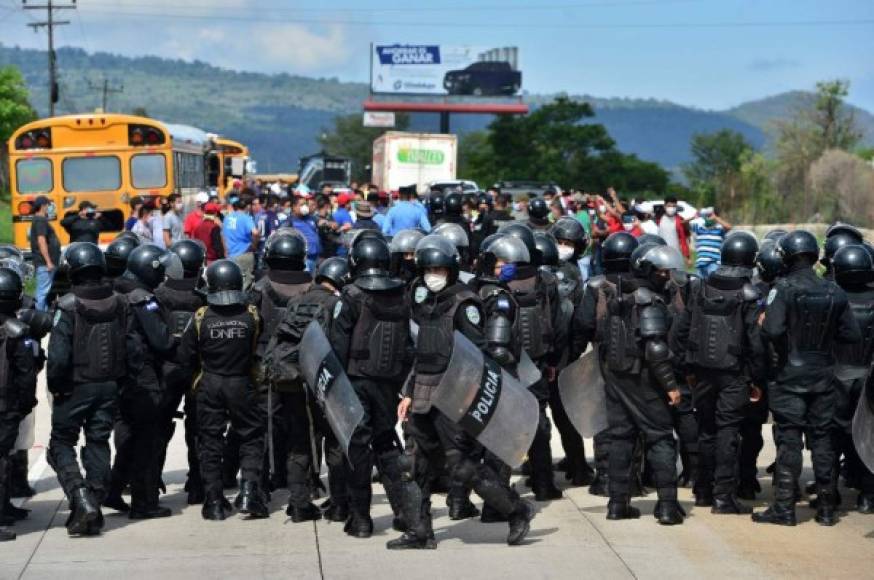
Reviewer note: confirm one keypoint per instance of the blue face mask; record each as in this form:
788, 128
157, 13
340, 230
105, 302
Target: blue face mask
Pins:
508, 272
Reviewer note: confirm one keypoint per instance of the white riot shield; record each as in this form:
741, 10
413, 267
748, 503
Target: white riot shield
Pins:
863, 425
581, 388
487, 402
528, 372
327, 381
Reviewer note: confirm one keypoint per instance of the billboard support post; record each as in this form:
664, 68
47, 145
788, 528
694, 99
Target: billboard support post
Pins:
444, 122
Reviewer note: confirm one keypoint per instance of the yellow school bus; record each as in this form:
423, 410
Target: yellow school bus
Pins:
228, 161
103, 158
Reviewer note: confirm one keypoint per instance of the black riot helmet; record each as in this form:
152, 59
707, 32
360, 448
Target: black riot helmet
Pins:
117, 253
769, 262
853, 265
334, 271
191, 254
286, 250
224, 283
127, 234
436, 203
453, 204
10, 252
149, 265
85, 262
835, 242
525, 235
775, 235
484, 198
458, 237
369, 261
548, 248
538, 208
402, 245
568, 229
797, 244
739, 249
500, 246
435, 251
616, 252
651, 239
11, 290
655, 263
470, 199
840, 228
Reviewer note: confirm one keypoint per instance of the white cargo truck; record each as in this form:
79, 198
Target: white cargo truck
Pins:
401, 159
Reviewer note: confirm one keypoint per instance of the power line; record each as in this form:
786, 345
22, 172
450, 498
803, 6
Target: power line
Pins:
50, 23
106, 89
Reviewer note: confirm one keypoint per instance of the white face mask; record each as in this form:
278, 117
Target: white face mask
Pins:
565, 253
304, 210
628, 227
602, 208
435, 282
517, 206
670, 211
178, 206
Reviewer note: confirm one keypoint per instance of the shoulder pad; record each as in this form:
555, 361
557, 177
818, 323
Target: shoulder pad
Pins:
139, 296
653, 322
490, 291
67, 301
547, 276
750, 293
503, 304
644, 296
15, 328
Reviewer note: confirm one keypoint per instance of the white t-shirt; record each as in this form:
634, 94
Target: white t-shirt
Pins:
668, 230
649, 227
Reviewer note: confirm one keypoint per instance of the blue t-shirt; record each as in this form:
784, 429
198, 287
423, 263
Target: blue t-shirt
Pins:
307, 227
406, 215
237, 229
342, 216
708, 243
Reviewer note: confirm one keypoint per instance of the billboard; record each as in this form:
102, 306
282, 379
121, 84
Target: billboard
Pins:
434, 69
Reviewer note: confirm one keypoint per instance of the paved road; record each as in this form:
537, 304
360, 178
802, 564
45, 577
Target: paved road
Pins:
570, 538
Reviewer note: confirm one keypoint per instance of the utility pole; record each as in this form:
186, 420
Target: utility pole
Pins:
105, 89
49, 23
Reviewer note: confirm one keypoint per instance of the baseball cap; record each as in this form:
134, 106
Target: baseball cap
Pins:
344, 198
201, 197
212, 208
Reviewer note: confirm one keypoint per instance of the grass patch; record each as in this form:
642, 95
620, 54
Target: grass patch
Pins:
5, 223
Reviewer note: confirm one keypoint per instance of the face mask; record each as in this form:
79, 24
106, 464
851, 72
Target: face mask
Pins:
517, 206
565, 253
709, 222
628, 227
670, 211
177, 206
602, 208
435, 282
508, 272
304, 210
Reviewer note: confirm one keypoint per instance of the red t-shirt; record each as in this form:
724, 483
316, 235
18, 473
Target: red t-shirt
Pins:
192, 221
207, 234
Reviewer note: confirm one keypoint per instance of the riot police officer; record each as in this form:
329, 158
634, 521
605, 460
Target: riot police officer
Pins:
403, 251
838, 236
853, 268
460, 238
442, 305
117, 253
616, 253
453, 209
88, 357
436, 206
285, 256
538, 214
18, 352
306, 423
181, 298
371, 336
536, 293
221, 343
142, 393
716, 335
805, 318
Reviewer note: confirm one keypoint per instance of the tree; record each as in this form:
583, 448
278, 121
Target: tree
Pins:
843, 186
716, 167
350, 138
555, 143
834, 125
15, 111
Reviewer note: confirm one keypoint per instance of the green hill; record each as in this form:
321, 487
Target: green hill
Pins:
281, 116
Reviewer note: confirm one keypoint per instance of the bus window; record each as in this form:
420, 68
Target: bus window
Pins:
91, 174
148, 171
34, 175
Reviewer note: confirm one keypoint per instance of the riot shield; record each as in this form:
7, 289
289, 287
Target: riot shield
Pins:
863, 425
528, 372
487, 402
327, 381
581, 388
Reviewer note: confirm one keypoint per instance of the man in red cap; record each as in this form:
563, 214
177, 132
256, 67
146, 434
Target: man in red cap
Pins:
209, 232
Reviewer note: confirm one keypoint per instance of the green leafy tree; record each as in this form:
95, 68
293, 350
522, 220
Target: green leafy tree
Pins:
15, 111
350, 138
715, 170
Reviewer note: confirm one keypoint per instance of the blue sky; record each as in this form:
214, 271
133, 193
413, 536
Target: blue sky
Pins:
710, 54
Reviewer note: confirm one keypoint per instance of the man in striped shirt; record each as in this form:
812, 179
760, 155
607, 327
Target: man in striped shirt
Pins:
709, 232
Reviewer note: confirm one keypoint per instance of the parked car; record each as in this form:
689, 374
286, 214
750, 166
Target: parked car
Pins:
483, 78
466, 186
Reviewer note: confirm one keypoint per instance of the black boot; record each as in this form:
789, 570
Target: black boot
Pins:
306, 513
782, 512
419, 536
250, 501
669, 512
865, 503
460, 507
747, 489
621, 509
520, 522
215, 506
704, 496
826, 510
359, 524
545, 490
600, 486
336, 511
83, 511
728, 504
150, 513
15, 513
6, 535
491, 516
116, 502
776, 514
196, 495
18, 484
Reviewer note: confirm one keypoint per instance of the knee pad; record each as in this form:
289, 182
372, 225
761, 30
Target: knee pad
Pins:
465, 470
